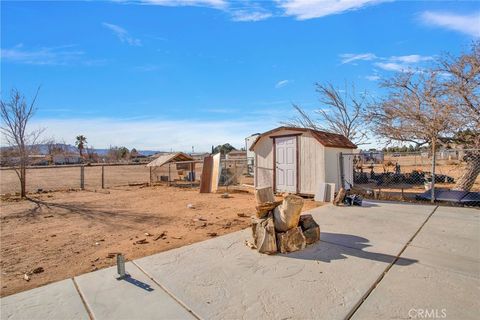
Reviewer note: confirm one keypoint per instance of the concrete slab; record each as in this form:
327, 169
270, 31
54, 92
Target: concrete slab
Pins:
378, 226
59, 300
446, 280
224, 279
452, 232
136, 297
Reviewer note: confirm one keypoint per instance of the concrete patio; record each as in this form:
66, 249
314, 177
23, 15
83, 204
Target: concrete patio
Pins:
382, 260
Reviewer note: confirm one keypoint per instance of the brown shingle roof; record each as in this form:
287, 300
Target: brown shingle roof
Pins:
332, 140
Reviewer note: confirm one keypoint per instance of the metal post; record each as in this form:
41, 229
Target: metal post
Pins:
103, 177
434, 156
342, 175
191, 174
82, 177
169, 174
120, 266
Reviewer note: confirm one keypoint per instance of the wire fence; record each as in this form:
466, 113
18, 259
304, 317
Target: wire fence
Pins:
97, 176
188, 173
450, 175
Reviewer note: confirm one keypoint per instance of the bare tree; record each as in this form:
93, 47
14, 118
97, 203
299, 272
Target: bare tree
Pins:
16, 114
340, 112
416, 110
462, 81
55, 148
92, 155
436, 105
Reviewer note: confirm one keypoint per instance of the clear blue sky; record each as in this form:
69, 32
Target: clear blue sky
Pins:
169, 74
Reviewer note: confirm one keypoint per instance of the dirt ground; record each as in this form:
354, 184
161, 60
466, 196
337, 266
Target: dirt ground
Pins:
73, 232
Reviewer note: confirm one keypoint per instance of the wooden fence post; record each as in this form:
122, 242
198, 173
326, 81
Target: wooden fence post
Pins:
151, 178
82, 177
169, 174
103, 177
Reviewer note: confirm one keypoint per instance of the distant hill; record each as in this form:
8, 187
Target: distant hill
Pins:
43, 149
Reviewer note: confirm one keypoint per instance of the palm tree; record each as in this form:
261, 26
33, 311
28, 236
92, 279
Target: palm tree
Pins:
80, 143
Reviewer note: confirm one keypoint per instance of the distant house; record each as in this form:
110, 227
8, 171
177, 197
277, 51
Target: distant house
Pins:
199, 155
38, 160
60, 159
236, 155
297, 160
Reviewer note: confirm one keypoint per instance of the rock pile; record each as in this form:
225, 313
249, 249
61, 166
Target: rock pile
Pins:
279, 227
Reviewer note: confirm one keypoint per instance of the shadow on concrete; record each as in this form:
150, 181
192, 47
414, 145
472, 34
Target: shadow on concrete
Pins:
337, 246
137, 283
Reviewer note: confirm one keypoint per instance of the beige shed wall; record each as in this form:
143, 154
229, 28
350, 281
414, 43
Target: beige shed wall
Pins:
332, 173
312, 158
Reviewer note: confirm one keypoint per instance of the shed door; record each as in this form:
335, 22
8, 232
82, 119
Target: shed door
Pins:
286, 164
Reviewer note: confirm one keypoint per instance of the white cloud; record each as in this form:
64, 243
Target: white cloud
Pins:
245, 15
392, 63
60, 55
413, 58
351, 57
155, 134
468, 24
391, 66
309, 9
238, 10
281, 83
402, 63
218, 4
122, 34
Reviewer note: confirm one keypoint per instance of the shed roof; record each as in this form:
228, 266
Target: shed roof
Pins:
328, 139
169, 157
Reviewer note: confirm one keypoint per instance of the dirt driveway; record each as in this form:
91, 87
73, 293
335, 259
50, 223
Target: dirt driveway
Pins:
70, 233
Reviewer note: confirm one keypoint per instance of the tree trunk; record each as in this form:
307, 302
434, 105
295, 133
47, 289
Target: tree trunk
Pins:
470, 174
264, 208
264, 195
23, 182
265, 201
292, 240
286, 216
263, 231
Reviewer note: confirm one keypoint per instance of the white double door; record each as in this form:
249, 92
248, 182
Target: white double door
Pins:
286, 164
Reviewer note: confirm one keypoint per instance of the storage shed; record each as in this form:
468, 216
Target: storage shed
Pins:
297, 160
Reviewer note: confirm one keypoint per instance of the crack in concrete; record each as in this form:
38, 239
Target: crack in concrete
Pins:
168, 292
380, 278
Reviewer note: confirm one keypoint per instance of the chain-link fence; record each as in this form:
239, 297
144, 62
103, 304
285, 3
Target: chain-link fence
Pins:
188, 173
74, 177
97, 176
451, 176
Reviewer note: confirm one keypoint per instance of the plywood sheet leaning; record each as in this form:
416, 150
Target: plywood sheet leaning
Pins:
216, 170
206, 177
